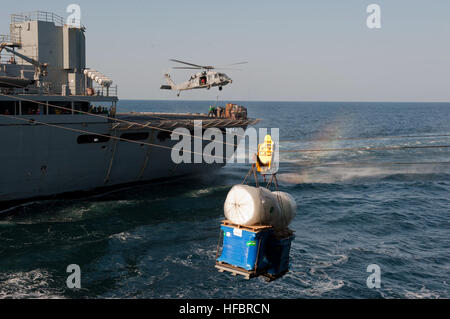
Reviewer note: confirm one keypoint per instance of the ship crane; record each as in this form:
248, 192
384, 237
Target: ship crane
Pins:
40, 68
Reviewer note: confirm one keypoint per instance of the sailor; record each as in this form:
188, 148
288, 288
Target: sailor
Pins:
212, 111
219, 111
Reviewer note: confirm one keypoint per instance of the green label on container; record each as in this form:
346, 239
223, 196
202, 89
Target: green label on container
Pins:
251, 243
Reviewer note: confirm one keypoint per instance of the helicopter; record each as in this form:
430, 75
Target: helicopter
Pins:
205, 79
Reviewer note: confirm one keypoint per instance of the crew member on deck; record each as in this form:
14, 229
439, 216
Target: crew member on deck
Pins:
212, 111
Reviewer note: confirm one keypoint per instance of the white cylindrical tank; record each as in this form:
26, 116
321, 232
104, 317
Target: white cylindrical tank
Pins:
288, 208
247, 205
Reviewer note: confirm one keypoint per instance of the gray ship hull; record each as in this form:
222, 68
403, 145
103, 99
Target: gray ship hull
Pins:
58, 121
41, 161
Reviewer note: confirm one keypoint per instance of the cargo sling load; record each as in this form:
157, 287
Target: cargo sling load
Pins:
59, 128
255, 235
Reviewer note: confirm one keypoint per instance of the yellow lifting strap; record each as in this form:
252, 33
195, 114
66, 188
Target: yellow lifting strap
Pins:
264, 155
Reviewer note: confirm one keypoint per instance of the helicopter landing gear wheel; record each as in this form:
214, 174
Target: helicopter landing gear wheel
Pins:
220, 88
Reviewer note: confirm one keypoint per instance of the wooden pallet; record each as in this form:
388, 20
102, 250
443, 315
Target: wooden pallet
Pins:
247, 274
222, 266
254, 228
270, 277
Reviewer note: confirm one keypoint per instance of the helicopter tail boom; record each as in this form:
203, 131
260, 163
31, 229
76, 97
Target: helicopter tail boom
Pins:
171, 85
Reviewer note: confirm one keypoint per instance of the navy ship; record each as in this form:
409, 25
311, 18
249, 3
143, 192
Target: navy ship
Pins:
59, 129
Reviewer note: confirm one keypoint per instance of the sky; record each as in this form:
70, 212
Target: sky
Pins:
302, 50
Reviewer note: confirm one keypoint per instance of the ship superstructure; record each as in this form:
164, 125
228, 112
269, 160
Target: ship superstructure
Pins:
59, 129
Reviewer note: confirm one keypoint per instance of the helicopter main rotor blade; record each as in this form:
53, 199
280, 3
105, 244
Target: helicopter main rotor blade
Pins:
195, 68
206, 67
229, 69
187, 63
239, 63
186, 68
224, 67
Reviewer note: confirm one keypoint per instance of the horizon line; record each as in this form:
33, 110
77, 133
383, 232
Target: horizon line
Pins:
286, 101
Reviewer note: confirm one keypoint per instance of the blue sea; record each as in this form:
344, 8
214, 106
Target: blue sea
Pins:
356, 207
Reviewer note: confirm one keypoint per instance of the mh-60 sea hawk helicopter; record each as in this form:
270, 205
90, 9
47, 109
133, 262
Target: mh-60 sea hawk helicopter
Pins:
202, 80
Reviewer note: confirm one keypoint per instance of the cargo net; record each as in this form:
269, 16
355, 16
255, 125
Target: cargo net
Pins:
230, 111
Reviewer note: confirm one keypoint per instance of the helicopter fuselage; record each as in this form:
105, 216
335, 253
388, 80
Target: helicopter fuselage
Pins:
205, 79
201, 80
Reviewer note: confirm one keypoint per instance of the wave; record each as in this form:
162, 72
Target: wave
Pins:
32, 284
330, 174
423, 293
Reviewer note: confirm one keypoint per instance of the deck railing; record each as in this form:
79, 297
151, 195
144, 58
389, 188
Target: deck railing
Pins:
37, 16
6, 38
5, 58
57, 89
41, 16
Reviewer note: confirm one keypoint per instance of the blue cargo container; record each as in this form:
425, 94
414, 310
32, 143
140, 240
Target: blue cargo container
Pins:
277, 254
244, 248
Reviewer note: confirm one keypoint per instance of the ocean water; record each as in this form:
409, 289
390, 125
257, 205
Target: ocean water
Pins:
355, 208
